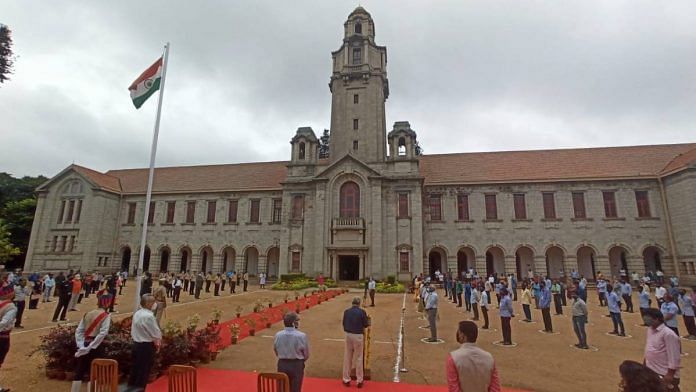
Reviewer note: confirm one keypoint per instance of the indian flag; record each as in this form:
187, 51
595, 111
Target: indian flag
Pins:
146, 84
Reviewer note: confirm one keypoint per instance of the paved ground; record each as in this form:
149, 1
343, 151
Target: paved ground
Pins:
540, 362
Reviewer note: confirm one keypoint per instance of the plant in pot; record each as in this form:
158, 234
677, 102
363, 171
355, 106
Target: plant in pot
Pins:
176, 347
306, 294
258, 306
235, 329
192, 323
286, 297
307, 302
217, 314
239, 310
206, 342
252, 326
265, 320
297, 295
270, 304
58, 348
297, 307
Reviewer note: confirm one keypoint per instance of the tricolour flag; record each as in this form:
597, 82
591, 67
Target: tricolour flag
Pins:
146, 84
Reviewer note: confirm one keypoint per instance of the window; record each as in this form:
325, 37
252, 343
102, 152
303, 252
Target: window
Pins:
358, 27
71, 211
520, 206
355, 145
579, 205
295, 267
609, 204
63, 243
99, 262
71, 243
349, 203
54, 243
491, 207
212, 204
404, 262
232, 211
356, 124
171, 208
151, 213
403, 211
302, 151
190, 211
401, 149
277, 210
254, 213
356, 99
297, 207
62, 211
357, 56
435, 207
643, 204
549, 205
463, 207
131, 214
78, 211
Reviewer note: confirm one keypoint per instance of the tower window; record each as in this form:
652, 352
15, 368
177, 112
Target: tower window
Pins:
356, 124
302, 151
357, 56
355, 145
358, 27
356, 99
402, 147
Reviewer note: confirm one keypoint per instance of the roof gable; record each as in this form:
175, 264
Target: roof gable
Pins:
96, 179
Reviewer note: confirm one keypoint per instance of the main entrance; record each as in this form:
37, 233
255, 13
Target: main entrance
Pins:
349, 267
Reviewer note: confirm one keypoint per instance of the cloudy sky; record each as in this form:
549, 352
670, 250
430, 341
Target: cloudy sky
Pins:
243, 75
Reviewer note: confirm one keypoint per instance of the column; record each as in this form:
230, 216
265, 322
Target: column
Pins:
540, 265
263, 263
510, 265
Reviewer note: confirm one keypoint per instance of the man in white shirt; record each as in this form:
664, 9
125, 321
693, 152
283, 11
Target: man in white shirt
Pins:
49, 284
660, 294
371, 287
89, 335
292, 349
147, 338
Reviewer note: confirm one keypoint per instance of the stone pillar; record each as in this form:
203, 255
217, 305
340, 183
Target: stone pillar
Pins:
217, 263
510, 265
540, 265
452, 264
195, 262
602, 265
174, 262
480, 265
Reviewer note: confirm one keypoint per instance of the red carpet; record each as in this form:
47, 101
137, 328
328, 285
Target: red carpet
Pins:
232, 380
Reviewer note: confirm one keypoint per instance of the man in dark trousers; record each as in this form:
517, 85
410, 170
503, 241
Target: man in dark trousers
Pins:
292, 349
199, 284
147, 338
192, 284
59, 280
111, 282
146, 286
64, 291
246, 280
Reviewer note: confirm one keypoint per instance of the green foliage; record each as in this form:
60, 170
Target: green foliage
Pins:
292, 277
6, 56
391, 279
301, 284
383, 287
7, 249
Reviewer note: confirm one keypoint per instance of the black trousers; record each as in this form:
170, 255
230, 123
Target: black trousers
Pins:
459, 300
143, 356
4, 347
191, 288
246, 283
629, 302
20, 311
61, 308
475, 307
198, 292
484, 310
372, 297
177, 293
514, 294
217, 289
467, 302
84, 363
527, 312
507, 331
223, 284
186, 283
546, 315
207, 286
233, 285
557, 302
294, 368
113, 299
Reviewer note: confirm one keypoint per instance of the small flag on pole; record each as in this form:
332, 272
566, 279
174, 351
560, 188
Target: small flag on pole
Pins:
146, 84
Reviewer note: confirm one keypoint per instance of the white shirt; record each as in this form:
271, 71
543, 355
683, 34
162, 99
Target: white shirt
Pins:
103, 331
660, 292
371, 285
145, 328
8, 319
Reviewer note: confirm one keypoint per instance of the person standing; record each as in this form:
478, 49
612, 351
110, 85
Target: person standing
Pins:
626, 292
431, 302
458, 290
292, 349
660, 292
64, 293
485, 305
526, 302
160, 295
557, 301
602, 291
613, 302
233, 283
217, 282
469, 368
262, 280
474, 299
192, 283
506, 312
89, 335
687, 307
355, 320
186, 279
8, 311
371, 288
199, 284
111, 282
536, 292
643, 300
147, 338
49, 284
223, 281
467, 295
246, 280
545, 305
662, 349
669, 312
146, 286
76, 289
177, 285
21, 292
580, 318
208, 281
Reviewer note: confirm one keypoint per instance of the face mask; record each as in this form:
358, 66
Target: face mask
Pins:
648, 321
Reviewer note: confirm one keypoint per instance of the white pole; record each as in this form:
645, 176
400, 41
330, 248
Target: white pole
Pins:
148, 195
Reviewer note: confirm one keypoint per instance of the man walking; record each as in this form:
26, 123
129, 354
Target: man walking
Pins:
371, 287
506, 313
355, 321
431, 301
292, 349
580, 313
545, 306
147, 338
662, 349
469, 368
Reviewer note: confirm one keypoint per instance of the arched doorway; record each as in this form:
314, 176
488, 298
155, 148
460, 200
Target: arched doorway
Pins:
251, 261
164, 260
206, 259
228, 256
652, 259
435, 259
146, 259
495, 261
586, 263
524, 262
554, 262
185, 259
125, 258
465, 260
618, 256
272, 259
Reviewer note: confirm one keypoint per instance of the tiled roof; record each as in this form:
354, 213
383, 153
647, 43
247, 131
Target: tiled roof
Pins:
680, 162
550, 165
103, 180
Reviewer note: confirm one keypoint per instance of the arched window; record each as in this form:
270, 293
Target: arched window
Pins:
358, 26
302, 151
350, 200
402, 147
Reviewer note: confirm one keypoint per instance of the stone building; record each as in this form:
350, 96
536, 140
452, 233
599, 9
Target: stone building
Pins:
375, 207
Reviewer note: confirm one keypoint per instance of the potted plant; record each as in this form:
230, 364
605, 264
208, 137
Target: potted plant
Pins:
270, 304
252, 326
307, 302
297, 307
306, 293
217, 314
265, 320
297, 295
286, 297
235, 329
239, 310
258, 306
206, 342
192, 323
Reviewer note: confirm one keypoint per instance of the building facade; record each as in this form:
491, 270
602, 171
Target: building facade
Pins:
376, 207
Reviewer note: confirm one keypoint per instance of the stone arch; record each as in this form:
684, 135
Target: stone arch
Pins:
164, 255
437, 260
126, 254
251, 260
466, 259
146, 258
587, 261
185, 254
229, 255
272, 261
555, 255
495, 260
524, 261
618, 259
555, 245
206, 255
587, 244
652, 258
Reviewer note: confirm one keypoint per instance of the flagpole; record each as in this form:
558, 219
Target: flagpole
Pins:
148, 194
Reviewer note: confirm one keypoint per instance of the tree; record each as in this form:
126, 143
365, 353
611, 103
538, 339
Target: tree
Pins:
19, 216
7, 250
324, 145
6, 56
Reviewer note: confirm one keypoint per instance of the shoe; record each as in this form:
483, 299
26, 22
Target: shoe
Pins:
4, 389
63, 319
622, 334
577, 345
54, 321
19, 326
346, 383
484, 327
507, 343
585, 347
360, 385
613, 333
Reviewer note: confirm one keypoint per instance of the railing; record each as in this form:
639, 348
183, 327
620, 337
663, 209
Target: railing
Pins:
348, 223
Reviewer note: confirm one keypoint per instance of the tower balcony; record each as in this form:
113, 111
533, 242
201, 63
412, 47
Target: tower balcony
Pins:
348, 224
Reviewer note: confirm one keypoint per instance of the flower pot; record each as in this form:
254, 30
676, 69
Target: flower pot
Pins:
213, 355
239, 315
286, 301
297, 310
216, 322
234, 339
268, 325
296, 298
55, 374
252, 332
270, 305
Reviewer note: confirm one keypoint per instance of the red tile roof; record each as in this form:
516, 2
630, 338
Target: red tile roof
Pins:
103, 180
680, 162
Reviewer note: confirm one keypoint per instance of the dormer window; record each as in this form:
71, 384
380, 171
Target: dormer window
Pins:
358, 27
302, 151
357, 56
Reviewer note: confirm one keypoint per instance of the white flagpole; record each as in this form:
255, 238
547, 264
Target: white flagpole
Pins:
148, 195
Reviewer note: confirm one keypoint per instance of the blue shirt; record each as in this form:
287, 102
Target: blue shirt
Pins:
537, 289
670, 308
484, 299
613, 302
506, 307
431, 300
687, 305
644, 299
291, 344
626, 289
545, 300
602, 286
355, 320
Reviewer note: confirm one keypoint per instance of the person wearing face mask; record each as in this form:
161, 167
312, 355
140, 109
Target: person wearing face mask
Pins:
469, 368
292, 349
614, 304
147, 338
662, 349
670, 311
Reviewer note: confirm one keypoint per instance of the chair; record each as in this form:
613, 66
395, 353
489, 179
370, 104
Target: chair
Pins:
182, 379
103, 376
273, 382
